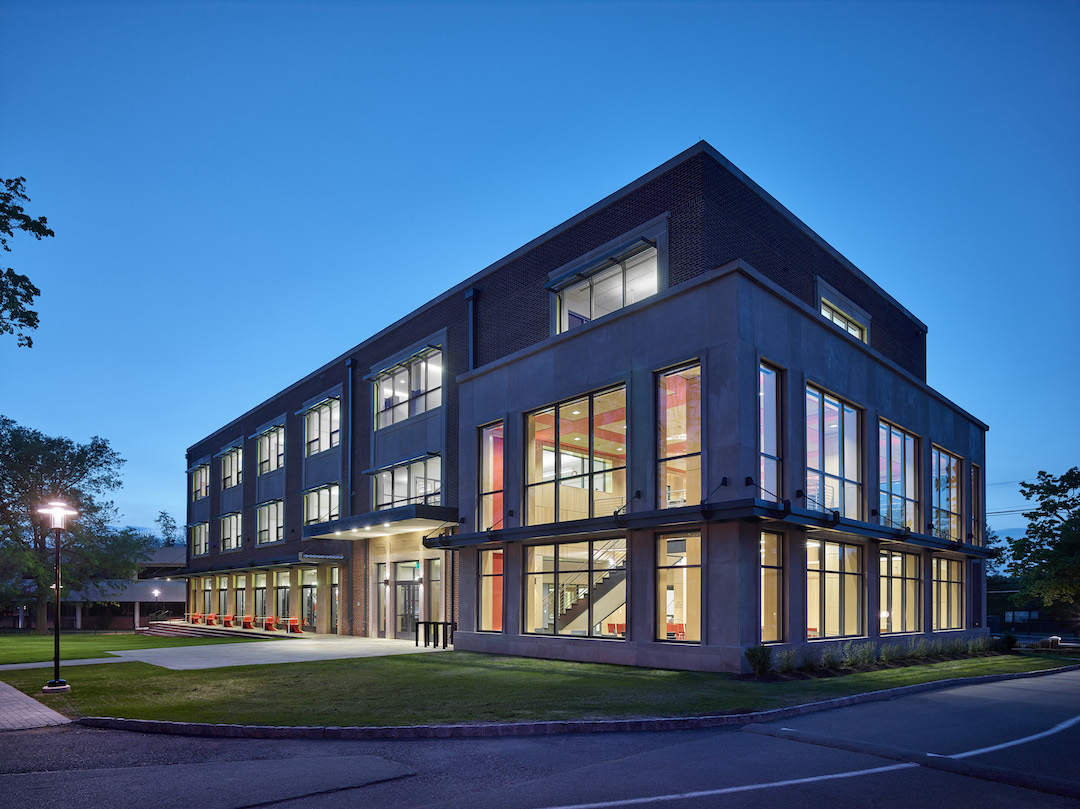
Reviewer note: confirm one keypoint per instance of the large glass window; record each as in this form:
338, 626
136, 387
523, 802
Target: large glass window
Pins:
230, 532
576, 588
898, 460
945, 491
900, 580
240, 596
769, 432
321, 505
416, 482
200, 481
834, 589
433, 590
322, 426
833, 474
772, 587
617, 282
490, 618
491, 477
678, 587
269, 526
200, 538
948, 593
679, 435
271, 450
409, 389
576, 459
232, 468
259, 595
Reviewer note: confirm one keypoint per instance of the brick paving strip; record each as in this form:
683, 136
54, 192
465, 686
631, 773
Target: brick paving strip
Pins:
21, 712
535, 728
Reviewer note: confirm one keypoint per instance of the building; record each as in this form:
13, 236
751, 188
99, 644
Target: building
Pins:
677, 425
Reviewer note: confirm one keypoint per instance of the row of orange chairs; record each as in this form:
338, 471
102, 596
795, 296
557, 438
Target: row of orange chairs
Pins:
270, 623
678, 630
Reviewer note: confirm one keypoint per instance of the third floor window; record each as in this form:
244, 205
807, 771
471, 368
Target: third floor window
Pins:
409, 389
271, 450
322, 426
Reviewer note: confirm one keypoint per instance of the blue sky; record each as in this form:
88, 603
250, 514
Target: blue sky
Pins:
241, 191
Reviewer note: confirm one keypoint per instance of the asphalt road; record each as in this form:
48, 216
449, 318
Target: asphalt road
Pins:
1007, 744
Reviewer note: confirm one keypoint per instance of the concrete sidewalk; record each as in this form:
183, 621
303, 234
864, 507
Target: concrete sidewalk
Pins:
20, 712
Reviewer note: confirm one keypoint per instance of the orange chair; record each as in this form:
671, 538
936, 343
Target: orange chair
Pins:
293, 625
228, 620
248, 622
270, 623
211, 618
196, 617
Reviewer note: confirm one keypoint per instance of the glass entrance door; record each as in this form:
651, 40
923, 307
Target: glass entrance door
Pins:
408, 599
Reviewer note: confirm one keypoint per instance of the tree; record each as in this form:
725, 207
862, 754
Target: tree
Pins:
170, 534
1046, 559
16, 291
36, 468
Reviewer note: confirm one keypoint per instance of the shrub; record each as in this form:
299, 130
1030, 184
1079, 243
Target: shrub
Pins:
808, 659
920, 647
848, 654
893, 652
868, 653
760, 659
787, 660
1009, 639
830, 658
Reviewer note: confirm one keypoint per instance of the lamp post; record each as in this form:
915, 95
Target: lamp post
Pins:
59, 512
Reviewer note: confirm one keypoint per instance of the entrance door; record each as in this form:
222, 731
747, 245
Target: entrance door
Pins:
408, 599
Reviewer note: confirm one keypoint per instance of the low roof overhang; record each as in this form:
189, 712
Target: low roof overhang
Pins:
389, 522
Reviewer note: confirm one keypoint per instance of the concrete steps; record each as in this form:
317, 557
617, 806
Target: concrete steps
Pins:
171, 629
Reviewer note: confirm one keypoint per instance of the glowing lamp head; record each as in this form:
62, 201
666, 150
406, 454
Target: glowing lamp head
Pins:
59, 511
157, 593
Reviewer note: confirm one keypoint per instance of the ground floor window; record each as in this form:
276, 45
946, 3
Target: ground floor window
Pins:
678, 587
433, 588
335, 580
260, 595
223, 595
240, 594
834, 589
281, 597
208, 596
490, 618
576, 588
772, 587
382, 594
900, 579
948, 593
308, 598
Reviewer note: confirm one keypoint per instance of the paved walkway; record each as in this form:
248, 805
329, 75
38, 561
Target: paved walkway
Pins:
20, 712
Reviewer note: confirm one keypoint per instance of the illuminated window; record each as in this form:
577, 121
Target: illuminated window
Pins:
948, 593
769, 433
834, 589
416, 482
271, 450
843, 320
490, 617
945, 494
609, 285
321, 505
900, 580
200, 481
409, 389
678, 587
679, 437
269, 525
975, 515
491, 477
772, 587
898, 459
576, 459
322, 426
576, 589
232, 468
230, 532
200, 539
833, 474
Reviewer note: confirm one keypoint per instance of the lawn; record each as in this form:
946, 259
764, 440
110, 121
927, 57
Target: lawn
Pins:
454, 687
22, 648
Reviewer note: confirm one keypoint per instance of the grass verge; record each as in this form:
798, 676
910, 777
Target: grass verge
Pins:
39, 648
453, 688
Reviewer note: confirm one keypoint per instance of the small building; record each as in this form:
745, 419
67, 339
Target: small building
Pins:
675, 426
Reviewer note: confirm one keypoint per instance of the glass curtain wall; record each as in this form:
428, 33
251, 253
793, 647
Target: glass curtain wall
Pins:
679, 436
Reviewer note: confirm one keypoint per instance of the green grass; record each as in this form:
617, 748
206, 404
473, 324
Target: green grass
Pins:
453, 687
39, 648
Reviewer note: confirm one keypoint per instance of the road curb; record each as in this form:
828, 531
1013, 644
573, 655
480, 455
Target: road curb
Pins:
493, 729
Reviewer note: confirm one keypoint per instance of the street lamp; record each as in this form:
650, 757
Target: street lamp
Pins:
59, 512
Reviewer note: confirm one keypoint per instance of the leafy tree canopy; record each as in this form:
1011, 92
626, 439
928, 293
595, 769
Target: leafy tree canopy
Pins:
170, 534
1046, 560
36, 468
16, 291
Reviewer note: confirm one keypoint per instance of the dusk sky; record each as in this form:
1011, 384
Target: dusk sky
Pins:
242, 191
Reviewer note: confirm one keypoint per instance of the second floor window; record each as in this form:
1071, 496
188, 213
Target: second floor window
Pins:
269, 526
322, 425
491, 477
575, 459
409, 389
271, 450
232, 468
230, 532
945, 491
897, 461
769, 433
321, 505
679, 446
833, 475
200, 539
411, 483
200, 481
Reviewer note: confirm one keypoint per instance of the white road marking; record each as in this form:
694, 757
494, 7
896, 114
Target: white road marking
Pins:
1068, 723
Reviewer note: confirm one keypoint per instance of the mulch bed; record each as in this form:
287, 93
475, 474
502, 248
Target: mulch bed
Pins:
819, 673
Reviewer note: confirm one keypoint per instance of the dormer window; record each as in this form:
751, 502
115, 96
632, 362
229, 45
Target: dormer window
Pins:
841, 311
843, 320
607, 285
